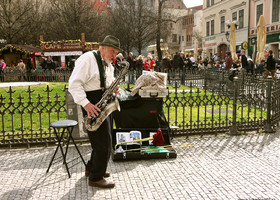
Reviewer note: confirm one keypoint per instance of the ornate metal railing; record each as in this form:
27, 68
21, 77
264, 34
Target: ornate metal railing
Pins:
25, 118
209, 105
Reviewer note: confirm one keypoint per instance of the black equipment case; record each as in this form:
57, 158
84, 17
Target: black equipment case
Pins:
146, 116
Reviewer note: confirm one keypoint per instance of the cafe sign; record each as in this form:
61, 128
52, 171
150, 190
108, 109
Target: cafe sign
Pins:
61, 46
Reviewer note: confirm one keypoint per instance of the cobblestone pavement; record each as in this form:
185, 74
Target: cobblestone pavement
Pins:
219, 167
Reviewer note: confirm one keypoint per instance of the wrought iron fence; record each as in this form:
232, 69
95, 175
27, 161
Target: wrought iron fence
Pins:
58, 75
25, 117
211, 104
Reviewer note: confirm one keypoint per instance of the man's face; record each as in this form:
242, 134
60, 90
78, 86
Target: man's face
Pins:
108, 53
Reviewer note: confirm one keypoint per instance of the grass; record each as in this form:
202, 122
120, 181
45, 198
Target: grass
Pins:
33, 108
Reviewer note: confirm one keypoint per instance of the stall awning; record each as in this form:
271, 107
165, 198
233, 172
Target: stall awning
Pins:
18, 48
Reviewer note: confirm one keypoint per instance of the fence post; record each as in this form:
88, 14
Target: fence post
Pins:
74, 112
233, 129
267, 127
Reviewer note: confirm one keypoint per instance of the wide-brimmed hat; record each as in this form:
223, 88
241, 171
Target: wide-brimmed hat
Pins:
111, 41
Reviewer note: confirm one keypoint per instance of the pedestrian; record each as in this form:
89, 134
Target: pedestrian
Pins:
71, 63
229, 62
2, 69
166, 65
130, 59
139, 66
22, 68
29, 69
93, 73
250, 68
149, 64
270, 66
260, 68
157, 68
244, 60
50, 65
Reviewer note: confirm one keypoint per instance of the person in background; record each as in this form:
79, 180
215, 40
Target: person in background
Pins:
260, 68
157, 68
2, 69
149, 64
201, 66
229, 62
250, 68
71, 63
139, 65
244, 60
166, 65
217, 66
131, 60
270, 66
50, 65
22, 68
29, 69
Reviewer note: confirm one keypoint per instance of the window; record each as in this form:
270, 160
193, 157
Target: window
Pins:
182, 38
275, 11
207, 28
234, 16
212, 2
259, 12
212, 27
174, 38
222, 24
241, 19
208, 3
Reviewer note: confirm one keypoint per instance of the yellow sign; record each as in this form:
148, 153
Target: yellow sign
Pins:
244, 45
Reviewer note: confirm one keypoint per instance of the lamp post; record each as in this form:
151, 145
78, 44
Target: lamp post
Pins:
227, 36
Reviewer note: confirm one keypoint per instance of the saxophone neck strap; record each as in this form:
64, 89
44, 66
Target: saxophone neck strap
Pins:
101, 69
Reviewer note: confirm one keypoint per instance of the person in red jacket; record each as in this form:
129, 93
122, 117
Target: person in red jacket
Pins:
149, 64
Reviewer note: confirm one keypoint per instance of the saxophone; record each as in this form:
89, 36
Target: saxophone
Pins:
92, 124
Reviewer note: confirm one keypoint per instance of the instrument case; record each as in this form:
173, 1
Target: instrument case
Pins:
145, 115
160, 151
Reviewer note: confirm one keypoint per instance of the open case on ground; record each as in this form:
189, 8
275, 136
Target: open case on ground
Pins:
140, 150
140, 118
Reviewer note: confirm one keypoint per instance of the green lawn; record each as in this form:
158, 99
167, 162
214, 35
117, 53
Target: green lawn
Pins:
31, 109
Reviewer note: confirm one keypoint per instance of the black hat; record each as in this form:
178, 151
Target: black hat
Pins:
111, 41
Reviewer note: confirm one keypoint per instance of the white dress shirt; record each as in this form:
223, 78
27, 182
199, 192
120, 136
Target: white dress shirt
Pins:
85, 77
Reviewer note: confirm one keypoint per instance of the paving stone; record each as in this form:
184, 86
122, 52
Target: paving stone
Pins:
216, 167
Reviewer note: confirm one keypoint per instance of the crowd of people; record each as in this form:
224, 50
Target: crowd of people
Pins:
267, 66
180, 61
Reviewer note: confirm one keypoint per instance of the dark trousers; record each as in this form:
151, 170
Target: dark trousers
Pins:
101, 143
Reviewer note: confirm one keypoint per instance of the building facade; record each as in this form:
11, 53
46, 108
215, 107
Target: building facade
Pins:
270, 10
217, 15
181, 37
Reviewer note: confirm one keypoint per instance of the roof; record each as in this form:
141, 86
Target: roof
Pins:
28, 48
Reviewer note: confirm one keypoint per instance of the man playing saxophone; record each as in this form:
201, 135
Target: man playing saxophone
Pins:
93, 73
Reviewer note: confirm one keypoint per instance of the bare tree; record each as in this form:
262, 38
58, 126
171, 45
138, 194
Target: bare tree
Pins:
133, 22
67, 19
162, 22
17, 19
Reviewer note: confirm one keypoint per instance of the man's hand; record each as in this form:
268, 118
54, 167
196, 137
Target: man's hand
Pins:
117, 90
92, 110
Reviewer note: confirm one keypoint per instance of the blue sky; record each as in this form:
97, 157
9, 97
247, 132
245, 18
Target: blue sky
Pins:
192, 3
